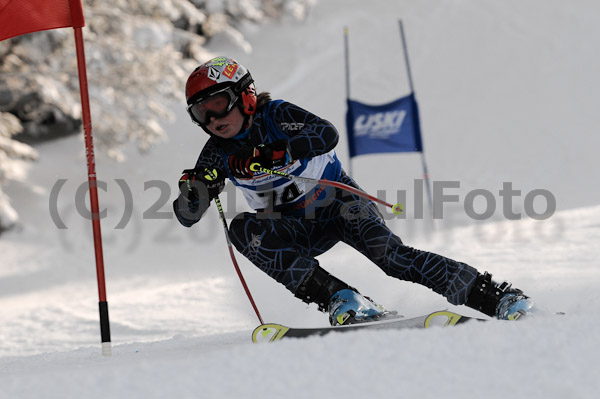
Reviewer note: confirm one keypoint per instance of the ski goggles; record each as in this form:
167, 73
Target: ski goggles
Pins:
216, 105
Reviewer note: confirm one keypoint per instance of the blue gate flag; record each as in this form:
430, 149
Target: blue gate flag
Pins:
392, 127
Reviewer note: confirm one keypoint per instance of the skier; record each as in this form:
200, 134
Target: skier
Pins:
294, 221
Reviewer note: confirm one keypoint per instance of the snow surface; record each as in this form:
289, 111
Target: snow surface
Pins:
507, 94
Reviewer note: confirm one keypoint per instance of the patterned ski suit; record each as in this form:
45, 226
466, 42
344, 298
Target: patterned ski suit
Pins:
295, 222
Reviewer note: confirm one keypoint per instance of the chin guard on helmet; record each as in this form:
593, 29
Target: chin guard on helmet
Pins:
249, 100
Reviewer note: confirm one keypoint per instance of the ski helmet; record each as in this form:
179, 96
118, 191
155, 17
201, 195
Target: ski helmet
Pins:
215, 87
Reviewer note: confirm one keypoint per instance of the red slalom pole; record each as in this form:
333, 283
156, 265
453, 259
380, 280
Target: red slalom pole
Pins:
93, 189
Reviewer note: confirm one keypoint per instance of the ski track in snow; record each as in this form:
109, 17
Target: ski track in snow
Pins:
505, 95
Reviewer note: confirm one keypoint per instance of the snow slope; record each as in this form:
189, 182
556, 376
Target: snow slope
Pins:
506, 95
545, 357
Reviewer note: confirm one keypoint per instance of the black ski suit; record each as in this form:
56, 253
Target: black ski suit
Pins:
296, 224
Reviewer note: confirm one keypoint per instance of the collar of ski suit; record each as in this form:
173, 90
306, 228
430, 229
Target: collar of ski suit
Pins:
242, 135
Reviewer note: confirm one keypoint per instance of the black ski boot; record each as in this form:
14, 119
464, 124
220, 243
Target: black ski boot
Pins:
344, 304
498, 300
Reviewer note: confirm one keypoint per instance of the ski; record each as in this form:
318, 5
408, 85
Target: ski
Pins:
275, 332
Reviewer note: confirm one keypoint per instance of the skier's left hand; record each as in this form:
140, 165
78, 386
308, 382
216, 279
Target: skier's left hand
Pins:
267, 155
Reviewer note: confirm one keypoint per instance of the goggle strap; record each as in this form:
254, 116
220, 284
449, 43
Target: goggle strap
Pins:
244, 82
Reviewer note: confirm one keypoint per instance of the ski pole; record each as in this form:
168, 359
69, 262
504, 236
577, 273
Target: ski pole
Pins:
235, 264
230, 246
397, 209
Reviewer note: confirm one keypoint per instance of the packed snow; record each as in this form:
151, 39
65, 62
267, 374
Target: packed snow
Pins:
506, 91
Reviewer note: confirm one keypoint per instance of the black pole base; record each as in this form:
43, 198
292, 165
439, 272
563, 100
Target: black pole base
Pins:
105, 329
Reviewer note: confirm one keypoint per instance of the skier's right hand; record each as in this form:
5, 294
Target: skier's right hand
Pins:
198, 187
203, 183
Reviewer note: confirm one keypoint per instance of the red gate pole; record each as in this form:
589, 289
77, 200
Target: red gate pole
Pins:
93, 190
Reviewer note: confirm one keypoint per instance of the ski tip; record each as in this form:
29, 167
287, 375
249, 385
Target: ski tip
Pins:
269, 333
442, 318
446, 318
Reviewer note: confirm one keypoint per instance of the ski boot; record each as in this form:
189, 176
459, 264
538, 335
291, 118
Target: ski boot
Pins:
343, 303
350, 307
498, 300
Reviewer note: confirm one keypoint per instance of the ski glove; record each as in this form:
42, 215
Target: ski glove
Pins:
201, 183
268, 156
197, 186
